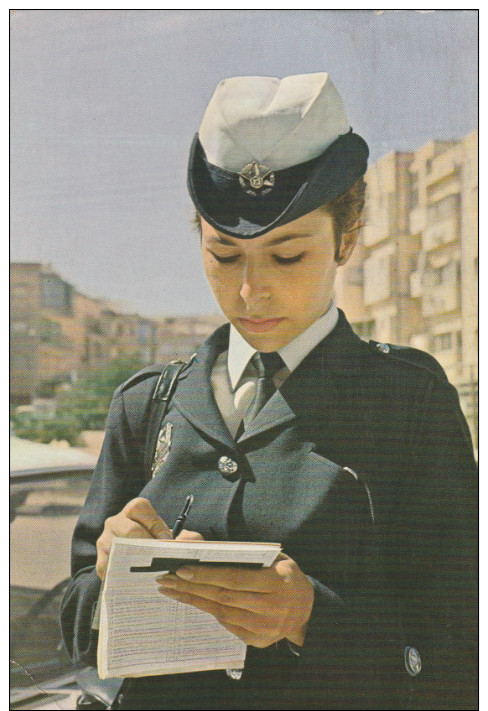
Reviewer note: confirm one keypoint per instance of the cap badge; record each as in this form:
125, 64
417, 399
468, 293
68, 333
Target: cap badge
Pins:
256, 179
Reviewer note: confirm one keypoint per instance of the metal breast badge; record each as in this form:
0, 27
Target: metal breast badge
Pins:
163, 446
256, 179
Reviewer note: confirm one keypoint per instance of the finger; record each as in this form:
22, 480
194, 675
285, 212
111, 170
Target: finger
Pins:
189, 536
123, 527
101, 564
251, 601
142, 511
231, 577
250, 638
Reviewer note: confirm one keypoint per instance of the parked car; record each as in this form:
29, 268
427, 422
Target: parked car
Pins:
48, 487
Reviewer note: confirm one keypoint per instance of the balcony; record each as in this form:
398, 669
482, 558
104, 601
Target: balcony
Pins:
416, 288
441, 232
440, 299
416, 220
377, 275
380, 222
442, 166
93, 325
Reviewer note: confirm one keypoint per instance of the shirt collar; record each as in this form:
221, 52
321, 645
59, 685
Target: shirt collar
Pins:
240, 351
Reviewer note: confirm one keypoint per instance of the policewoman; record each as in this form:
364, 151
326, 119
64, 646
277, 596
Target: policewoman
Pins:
287, 427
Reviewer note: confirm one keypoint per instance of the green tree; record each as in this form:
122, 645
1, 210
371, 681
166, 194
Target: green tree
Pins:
84, 406
88, 400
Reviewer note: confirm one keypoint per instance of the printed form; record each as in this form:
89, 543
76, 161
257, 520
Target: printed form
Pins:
144, 633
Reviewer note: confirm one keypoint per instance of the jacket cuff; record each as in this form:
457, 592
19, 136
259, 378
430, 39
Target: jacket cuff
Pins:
325, 621
77, 611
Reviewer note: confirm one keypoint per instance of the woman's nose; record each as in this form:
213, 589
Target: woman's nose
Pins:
255, 281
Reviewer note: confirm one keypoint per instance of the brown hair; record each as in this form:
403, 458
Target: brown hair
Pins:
345, 210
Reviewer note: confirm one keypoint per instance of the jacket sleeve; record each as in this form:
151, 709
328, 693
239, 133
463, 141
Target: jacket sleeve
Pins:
416, 589
118, 477
434, 580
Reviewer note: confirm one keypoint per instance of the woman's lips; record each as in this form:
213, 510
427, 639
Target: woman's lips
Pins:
259, 325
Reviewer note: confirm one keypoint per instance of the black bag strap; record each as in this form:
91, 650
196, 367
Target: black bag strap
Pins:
161, 398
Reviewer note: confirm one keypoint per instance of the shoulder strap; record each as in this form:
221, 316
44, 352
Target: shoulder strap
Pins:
161, 398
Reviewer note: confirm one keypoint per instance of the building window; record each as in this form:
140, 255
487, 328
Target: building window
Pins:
144, 332
459, 341
442, 342
56, 293
445, 208
413, 193
450, 273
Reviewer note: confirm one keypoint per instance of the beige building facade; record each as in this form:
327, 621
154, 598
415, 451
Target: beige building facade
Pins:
58, 333
414, 278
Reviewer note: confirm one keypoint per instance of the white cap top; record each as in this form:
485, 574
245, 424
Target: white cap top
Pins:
279, 122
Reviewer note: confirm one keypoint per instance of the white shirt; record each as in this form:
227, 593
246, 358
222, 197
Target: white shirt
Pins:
234, 383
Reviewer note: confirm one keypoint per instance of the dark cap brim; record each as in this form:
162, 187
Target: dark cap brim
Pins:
222, 202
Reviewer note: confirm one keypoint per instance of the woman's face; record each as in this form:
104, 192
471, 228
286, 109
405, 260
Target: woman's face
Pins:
273, 287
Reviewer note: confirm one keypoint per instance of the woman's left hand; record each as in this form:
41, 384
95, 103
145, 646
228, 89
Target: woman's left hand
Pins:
259, 606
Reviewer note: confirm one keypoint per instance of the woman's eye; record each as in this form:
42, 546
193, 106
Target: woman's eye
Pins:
288, 260
224, 260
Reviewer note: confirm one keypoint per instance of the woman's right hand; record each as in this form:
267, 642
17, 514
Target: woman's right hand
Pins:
138, 519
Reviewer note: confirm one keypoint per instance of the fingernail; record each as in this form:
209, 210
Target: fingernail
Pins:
184, 573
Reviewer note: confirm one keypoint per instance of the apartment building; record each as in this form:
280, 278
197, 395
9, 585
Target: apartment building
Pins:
56, 332
41, 308
374, 286
414, 279
180, 336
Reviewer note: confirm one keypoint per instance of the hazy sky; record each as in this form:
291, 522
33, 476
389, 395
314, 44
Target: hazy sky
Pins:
104, 105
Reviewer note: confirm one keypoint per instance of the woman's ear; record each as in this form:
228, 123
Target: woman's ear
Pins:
348, 242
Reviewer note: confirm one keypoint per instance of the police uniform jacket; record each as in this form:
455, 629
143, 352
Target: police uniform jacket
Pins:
361, 466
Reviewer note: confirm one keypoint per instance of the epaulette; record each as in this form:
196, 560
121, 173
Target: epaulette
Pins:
142, 374
411, 356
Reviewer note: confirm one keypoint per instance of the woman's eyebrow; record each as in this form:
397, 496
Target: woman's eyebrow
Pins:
220, 239
278, 240
287, 238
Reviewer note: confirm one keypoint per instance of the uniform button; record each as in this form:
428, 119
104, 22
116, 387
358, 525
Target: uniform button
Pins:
383, 347
413, 663
227, 467
234, 674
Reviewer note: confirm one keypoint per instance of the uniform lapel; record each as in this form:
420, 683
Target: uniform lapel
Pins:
296, 467
327, 375
276, 412
324, 384
194, 397
317, 385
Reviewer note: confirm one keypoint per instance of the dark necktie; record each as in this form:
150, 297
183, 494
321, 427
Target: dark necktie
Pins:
267, 365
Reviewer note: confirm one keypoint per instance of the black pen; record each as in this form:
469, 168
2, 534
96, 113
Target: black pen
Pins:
180, 521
